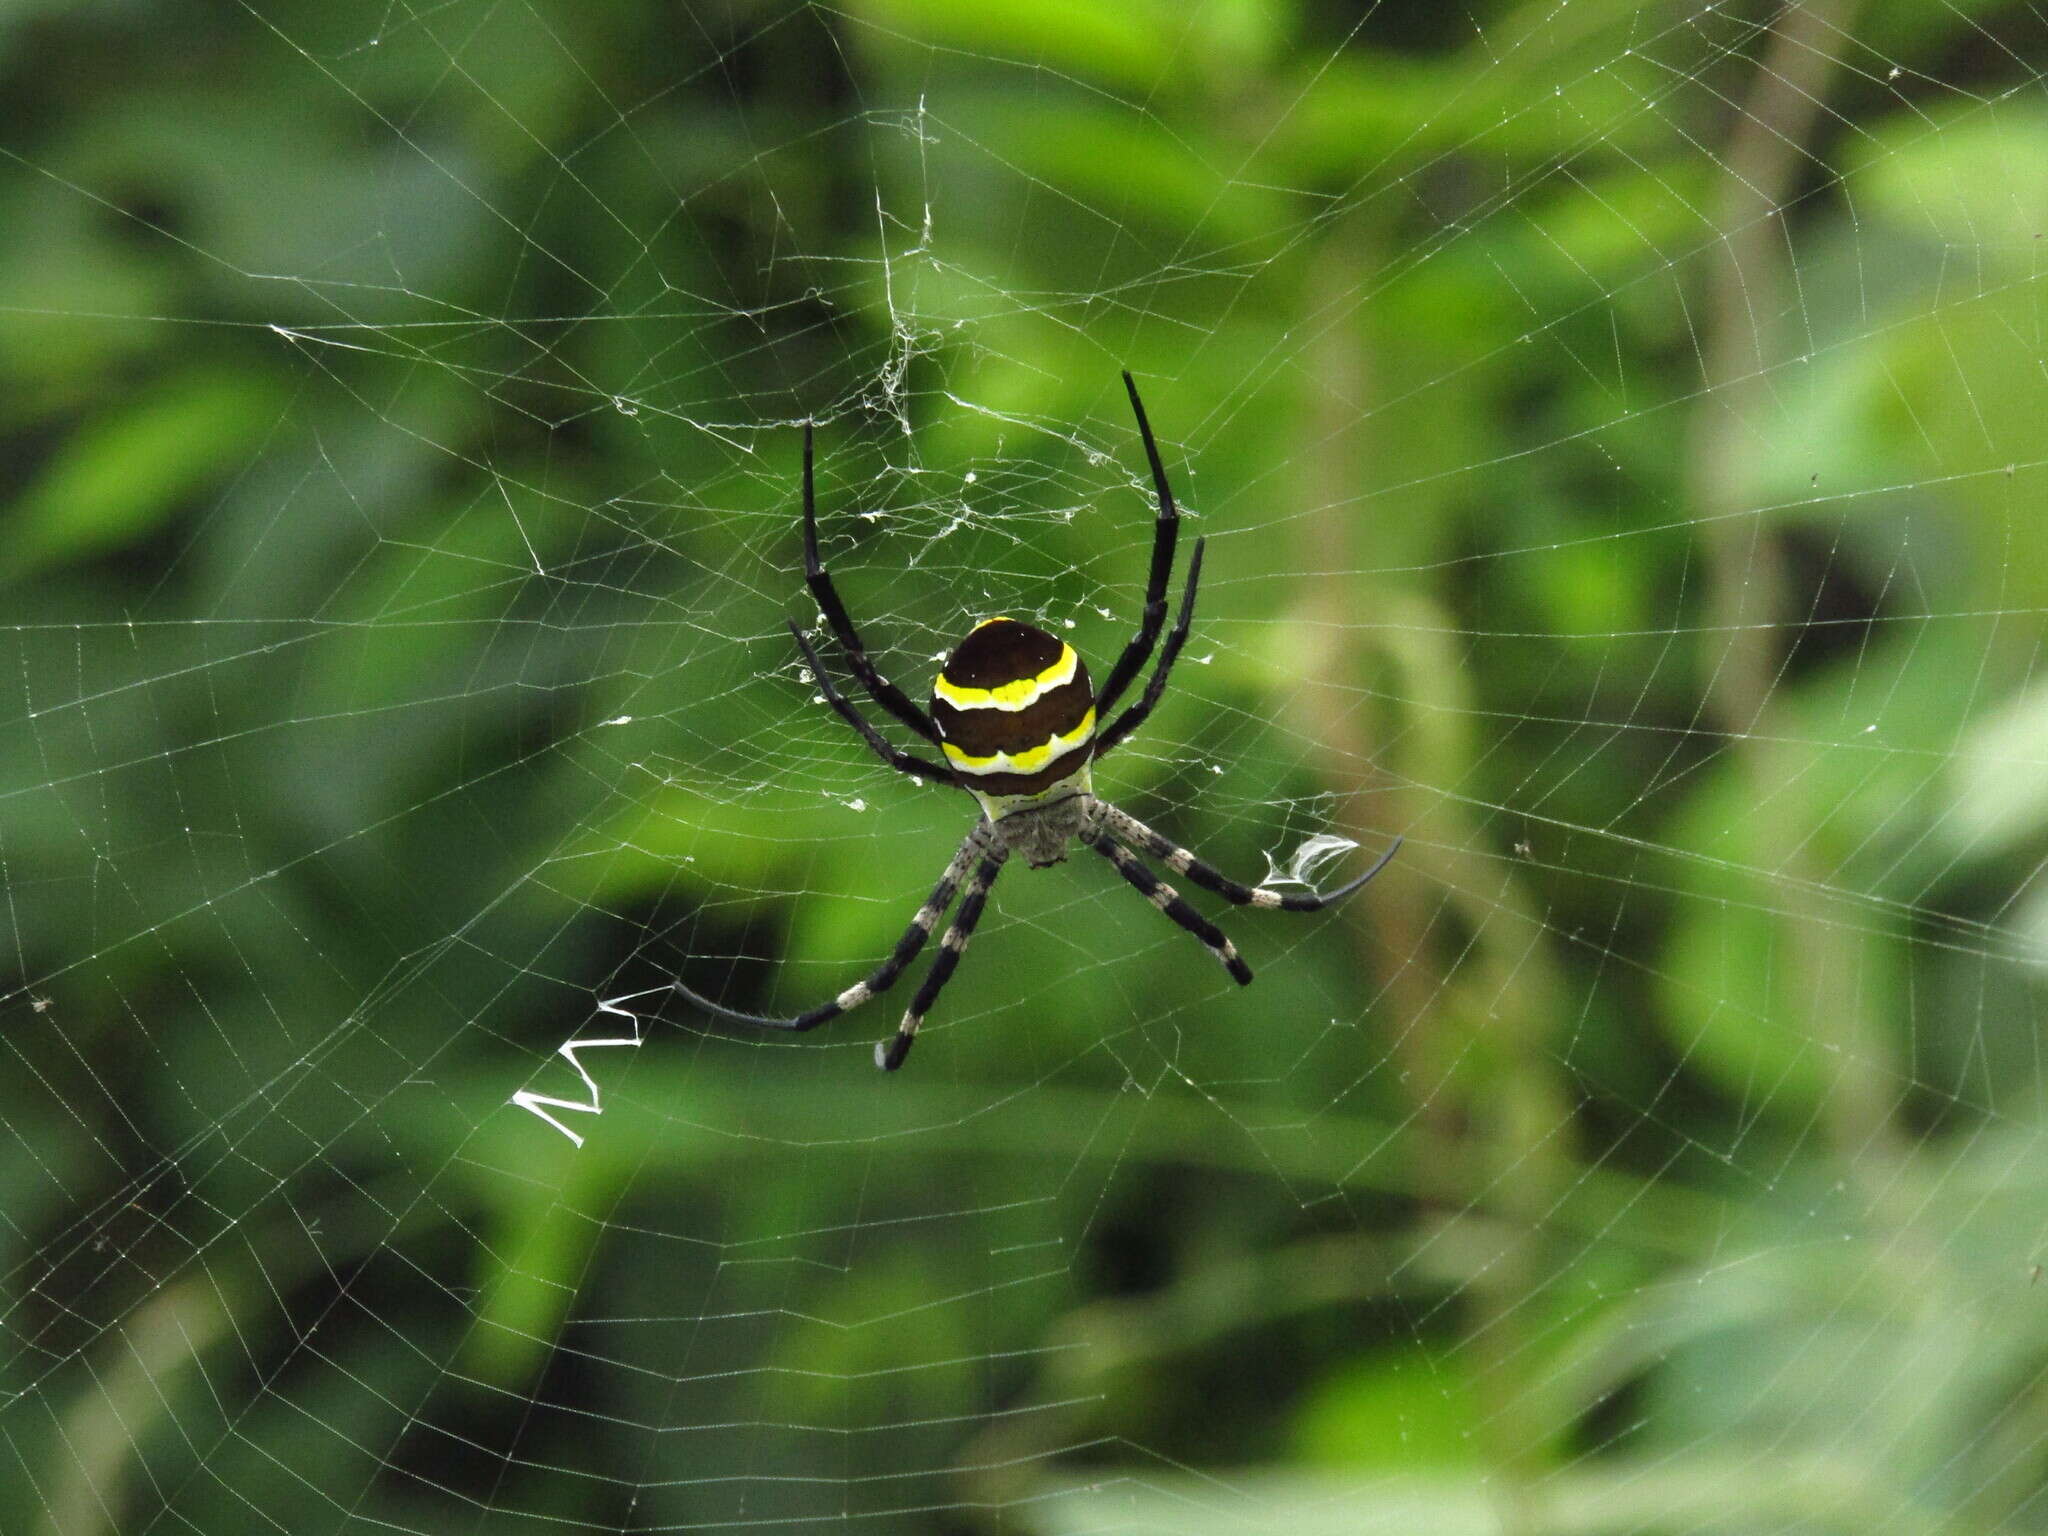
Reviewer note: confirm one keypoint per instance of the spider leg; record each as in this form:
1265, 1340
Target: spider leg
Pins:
1168, 900
1155, 686
902, 762
889, 1053
1164, 532
880, 689
1128, 829
885, 974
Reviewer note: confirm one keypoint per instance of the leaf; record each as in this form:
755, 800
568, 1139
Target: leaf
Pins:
126, 474
1136, 46
1404, 1408
2001, 778
1972, 183
1141, 1499
528, 1274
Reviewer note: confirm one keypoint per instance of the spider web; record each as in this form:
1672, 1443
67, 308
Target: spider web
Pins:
1619, 431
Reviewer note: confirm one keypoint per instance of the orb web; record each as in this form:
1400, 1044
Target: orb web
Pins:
1617, 429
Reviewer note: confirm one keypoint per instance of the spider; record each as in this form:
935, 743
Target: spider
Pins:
1017, 724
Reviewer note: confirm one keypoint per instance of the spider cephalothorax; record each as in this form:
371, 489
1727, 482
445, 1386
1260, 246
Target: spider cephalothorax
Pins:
1019, 728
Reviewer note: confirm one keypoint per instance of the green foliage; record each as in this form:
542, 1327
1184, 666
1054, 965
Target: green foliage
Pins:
396, 533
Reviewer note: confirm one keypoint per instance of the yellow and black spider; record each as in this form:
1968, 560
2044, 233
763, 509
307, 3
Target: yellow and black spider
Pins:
1014, 716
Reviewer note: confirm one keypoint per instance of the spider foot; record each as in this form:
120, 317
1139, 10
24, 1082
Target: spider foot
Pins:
890, 1053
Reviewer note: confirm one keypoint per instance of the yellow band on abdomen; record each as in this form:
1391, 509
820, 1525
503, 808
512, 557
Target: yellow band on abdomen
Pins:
1021, 694
1031, 759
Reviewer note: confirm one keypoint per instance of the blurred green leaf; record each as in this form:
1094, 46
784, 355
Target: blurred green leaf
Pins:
123, 475
2000, 776
1408, 1409
534, 1258
1966, 178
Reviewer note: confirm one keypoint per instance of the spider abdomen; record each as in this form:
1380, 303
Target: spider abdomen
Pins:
1015, 710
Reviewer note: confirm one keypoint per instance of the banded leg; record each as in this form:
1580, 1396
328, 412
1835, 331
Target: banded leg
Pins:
1168, 900
1126, 828
1165, 531
1134, 717
889, 1053
880, 689
902, 762
885, 974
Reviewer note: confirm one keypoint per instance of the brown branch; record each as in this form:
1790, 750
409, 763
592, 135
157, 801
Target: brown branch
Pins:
1750, 598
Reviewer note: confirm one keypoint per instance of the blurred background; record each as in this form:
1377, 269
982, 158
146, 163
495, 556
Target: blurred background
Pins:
1621, 432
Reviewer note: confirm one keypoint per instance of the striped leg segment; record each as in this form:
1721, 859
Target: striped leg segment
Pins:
1168, 900
880, 689
889, 1053
1165, 532
902, 762
885, 974
1155, 686
1126, 828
